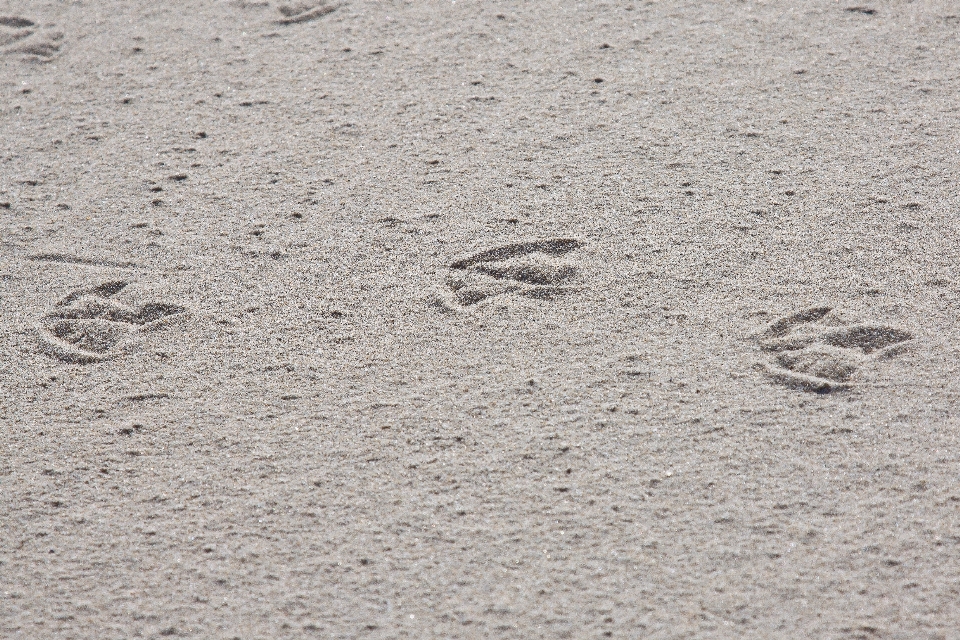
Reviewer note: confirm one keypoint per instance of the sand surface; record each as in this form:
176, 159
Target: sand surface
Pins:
462, 320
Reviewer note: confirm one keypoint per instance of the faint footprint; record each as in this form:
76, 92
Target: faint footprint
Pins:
27, 40
819, 350
298, 12
529, 269
90, 325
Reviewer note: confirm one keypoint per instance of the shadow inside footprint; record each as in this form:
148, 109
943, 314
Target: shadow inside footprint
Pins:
15, 23
96, 336
867, 339
530, 273
154, 311
782, 327
837, 367
553, 247
304, 12
545, 293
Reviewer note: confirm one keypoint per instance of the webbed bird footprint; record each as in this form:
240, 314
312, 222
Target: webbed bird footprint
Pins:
90, 325
530, 269
819, 350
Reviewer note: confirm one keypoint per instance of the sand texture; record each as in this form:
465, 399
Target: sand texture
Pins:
358, 319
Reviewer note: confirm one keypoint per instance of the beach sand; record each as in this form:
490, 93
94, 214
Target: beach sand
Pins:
462, 320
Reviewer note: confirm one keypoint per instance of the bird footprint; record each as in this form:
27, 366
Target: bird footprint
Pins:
90, 325
529, 269
27, 40
819, 350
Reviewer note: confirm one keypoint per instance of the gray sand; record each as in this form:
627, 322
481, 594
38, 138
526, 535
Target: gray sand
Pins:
454, 319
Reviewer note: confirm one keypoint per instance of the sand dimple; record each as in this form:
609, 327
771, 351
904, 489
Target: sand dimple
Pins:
528, 269
89, 326
818, 350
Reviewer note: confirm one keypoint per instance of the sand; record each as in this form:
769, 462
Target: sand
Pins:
462, 320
